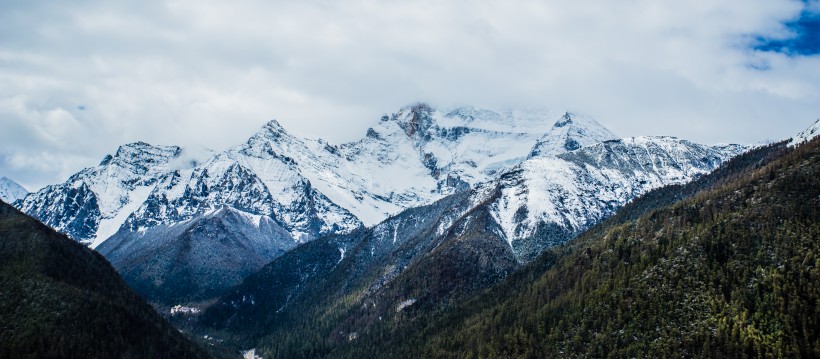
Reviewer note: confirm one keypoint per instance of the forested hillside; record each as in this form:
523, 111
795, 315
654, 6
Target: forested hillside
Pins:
726, 266
731, 272
60, 299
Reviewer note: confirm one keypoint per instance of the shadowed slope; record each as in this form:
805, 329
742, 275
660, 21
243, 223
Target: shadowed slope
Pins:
61, 299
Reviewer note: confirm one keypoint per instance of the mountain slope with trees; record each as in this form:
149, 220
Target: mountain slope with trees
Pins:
60, 299
726, 266
731, 271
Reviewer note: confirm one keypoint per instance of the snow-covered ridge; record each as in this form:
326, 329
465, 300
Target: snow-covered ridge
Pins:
96, 201
576, 189
807, 134
552, 166
311, 187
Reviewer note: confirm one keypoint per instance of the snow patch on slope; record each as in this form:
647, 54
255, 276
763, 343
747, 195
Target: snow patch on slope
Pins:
109, 226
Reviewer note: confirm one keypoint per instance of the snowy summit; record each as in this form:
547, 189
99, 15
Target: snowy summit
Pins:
11, 191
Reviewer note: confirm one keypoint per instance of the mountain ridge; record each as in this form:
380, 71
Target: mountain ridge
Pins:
309, 188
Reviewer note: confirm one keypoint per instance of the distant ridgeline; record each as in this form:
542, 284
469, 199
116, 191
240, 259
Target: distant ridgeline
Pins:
725, 266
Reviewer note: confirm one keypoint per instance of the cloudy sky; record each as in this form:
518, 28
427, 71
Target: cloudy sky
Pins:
79, 78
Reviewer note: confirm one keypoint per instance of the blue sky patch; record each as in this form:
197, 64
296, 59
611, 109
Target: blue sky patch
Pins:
806, 39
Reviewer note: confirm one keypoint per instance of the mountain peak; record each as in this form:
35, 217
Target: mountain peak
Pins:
267, 139
141, 157
274, 125
11, 191
570, 133
416, 118
272, 131
565, 120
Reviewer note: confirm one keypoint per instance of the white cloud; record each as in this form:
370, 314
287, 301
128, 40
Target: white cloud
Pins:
211, 73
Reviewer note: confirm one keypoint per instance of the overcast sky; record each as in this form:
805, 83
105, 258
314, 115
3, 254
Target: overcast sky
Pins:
79, 78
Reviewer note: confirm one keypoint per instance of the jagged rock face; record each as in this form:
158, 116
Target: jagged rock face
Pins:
298, 173
143, 159
177, 198
72, 209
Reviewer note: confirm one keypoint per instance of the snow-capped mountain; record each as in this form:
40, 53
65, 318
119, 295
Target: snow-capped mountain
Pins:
542, 176
309, 186
11, 191
430, 257
427, 263
313, 188
419, 155
157, 195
